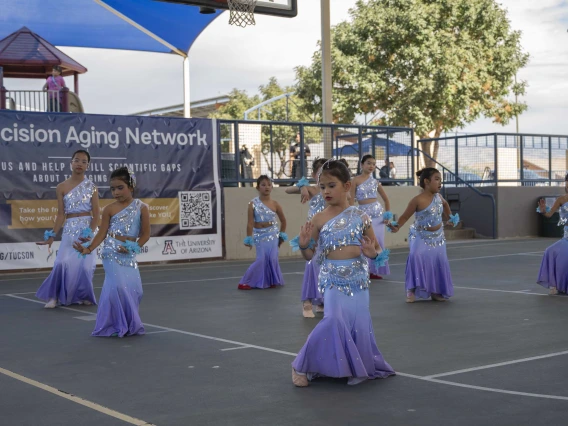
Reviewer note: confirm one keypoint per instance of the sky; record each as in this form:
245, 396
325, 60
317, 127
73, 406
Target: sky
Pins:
226, 57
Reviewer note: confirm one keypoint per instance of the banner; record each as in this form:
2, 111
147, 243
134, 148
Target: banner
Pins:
174, 160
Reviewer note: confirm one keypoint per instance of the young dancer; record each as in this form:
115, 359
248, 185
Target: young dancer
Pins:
427, 268
71, 279
365, 189
125, 227
310, 293
263, 233
553, 272
343, 343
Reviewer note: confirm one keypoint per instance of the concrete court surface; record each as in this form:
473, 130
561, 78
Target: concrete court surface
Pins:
493, 355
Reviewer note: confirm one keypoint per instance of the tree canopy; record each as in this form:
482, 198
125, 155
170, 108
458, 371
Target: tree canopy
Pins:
434, 65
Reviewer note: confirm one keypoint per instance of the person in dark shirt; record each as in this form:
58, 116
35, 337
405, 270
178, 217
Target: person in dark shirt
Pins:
295, 153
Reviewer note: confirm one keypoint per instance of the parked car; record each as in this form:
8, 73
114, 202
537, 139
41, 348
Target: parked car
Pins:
534, 178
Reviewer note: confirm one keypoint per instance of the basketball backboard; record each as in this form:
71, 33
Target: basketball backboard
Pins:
282, 8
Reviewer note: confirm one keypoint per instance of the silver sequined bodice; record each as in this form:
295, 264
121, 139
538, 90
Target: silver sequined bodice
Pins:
78, 200
367, 189
428, 218
564, 218
345, 229
125, 223
261, 212
431, 216
317, 204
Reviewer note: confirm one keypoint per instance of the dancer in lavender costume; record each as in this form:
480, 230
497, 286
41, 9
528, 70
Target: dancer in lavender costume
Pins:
71, 280
343, 343
263, 233
310, 293
427, 268
365, 189
553, 272
125, 227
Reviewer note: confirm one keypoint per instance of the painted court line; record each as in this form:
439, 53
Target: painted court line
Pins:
87, 318
412, 376
234, 349
215, 264
528, 292
499, 364
168, 282
76, 399
159, 331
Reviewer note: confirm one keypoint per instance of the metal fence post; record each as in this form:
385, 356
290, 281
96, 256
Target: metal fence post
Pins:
495, 159
272, 152
521, 160
302, 152
550, 161
237, 153
456, 160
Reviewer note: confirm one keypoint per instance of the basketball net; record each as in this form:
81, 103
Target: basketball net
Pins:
242, 12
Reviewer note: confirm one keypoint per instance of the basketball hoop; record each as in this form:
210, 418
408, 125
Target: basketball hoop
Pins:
242, 12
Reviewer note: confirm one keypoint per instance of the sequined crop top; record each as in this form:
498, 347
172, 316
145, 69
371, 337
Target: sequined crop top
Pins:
564, 218
126, 222
317, 204
367, 189
261, 212
431, 216
345, 229
78, 200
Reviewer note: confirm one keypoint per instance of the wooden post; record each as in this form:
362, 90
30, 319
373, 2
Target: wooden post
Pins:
76, 82
65, 99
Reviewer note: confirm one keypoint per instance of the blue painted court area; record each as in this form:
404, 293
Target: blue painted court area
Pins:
495, 354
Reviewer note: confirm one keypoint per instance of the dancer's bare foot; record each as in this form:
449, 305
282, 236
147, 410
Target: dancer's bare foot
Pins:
410, 297
52, 303
299, 380
319, 309
437, 297
552, 291
86, 302
307, 309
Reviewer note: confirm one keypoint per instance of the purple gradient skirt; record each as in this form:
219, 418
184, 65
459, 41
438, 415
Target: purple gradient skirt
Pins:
343, 343
379, 227
265, 270
71, 279
310, 283
554, 267
427, 267
119, 301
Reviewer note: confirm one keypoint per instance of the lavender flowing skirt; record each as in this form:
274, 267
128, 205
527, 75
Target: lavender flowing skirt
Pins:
71, 279
119, 301
310, 283
343, 343
265, 270
554, 267
379, 227
427, 267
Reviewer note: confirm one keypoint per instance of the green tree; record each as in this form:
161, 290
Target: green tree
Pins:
275, 138
434, 65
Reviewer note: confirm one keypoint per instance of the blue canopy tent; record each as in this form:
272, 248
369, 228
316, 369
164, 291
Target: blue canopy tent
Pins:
145, 25
394, 148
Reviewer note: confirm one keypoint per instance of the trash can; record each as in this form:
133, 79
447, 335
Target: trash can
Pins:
548, 226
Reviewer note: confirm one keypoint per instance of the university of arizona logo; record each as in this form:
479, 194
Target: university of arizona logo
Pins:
169, 247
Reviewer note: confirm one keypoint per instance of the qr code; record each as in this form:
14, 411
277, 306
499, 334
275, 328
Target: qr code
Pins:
195, 210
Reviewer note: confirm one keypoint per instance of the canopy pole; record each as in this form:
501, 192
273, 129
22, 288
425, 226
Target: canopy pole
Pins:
186, 91
326, 98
